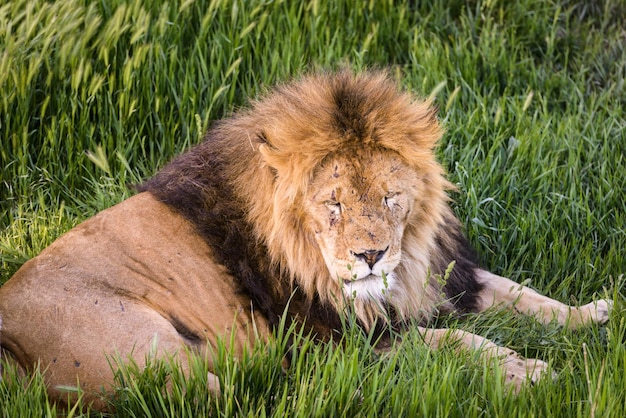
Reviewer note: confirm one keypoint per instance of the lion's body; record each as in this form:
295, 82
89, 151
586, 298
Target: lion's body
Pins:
325, 193
111, 285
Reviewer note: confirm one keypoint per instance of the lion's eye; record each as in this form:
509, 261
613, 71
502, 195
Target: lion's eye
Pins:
334, 209
333, 205
391, 199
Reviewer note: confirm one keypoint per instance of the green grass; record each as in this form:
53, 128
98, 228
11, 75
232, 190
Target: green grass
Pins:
96, 95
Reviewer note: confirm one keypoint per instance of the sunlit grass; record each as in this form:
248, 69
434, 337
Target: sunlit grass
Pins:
95, 96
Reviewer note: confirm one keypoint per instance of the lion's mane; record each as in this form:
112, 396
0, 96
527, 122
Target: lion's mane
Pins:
243, 186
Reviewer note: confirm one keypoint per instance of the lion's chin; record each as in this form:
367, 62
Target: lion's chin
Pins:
368, 287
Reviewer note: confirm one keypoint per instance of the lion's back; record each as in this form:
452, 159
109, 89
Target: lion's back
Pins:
138, 268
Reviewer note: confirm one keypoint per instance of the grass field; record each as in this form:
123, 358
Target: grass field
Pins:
96, 95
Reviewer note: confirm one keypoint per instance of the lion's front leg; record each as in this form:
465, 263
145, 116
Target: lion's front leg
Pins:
517, 369
500, 291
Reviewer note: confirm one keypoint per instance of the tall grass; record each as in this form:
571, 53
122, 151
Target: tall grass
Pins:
97, 95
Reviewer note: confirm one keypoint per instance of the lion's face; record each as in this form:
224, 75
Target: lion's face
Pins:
358, 208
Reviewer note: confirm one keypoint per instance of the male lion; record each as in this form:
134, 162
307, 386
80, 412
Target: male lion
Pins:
326, 193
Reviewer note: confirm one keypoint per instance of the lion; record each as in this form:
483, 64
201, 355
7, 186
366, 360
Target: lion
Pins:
323, 194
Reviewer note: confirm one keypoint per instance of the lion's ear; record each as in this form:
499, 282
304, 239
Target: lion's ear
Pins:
278, 163
268, 154
289, 172
274, 157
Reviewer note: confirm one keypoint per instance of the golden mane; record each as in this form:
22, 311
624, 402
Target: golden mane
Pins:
285, 148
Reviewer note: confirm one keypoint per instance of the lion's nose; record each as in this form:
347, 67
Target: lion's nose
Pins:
371, 257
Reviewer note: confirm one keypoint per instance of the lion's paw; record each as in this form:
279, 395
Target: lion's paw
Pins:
213, 384
520, 371
596, 312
